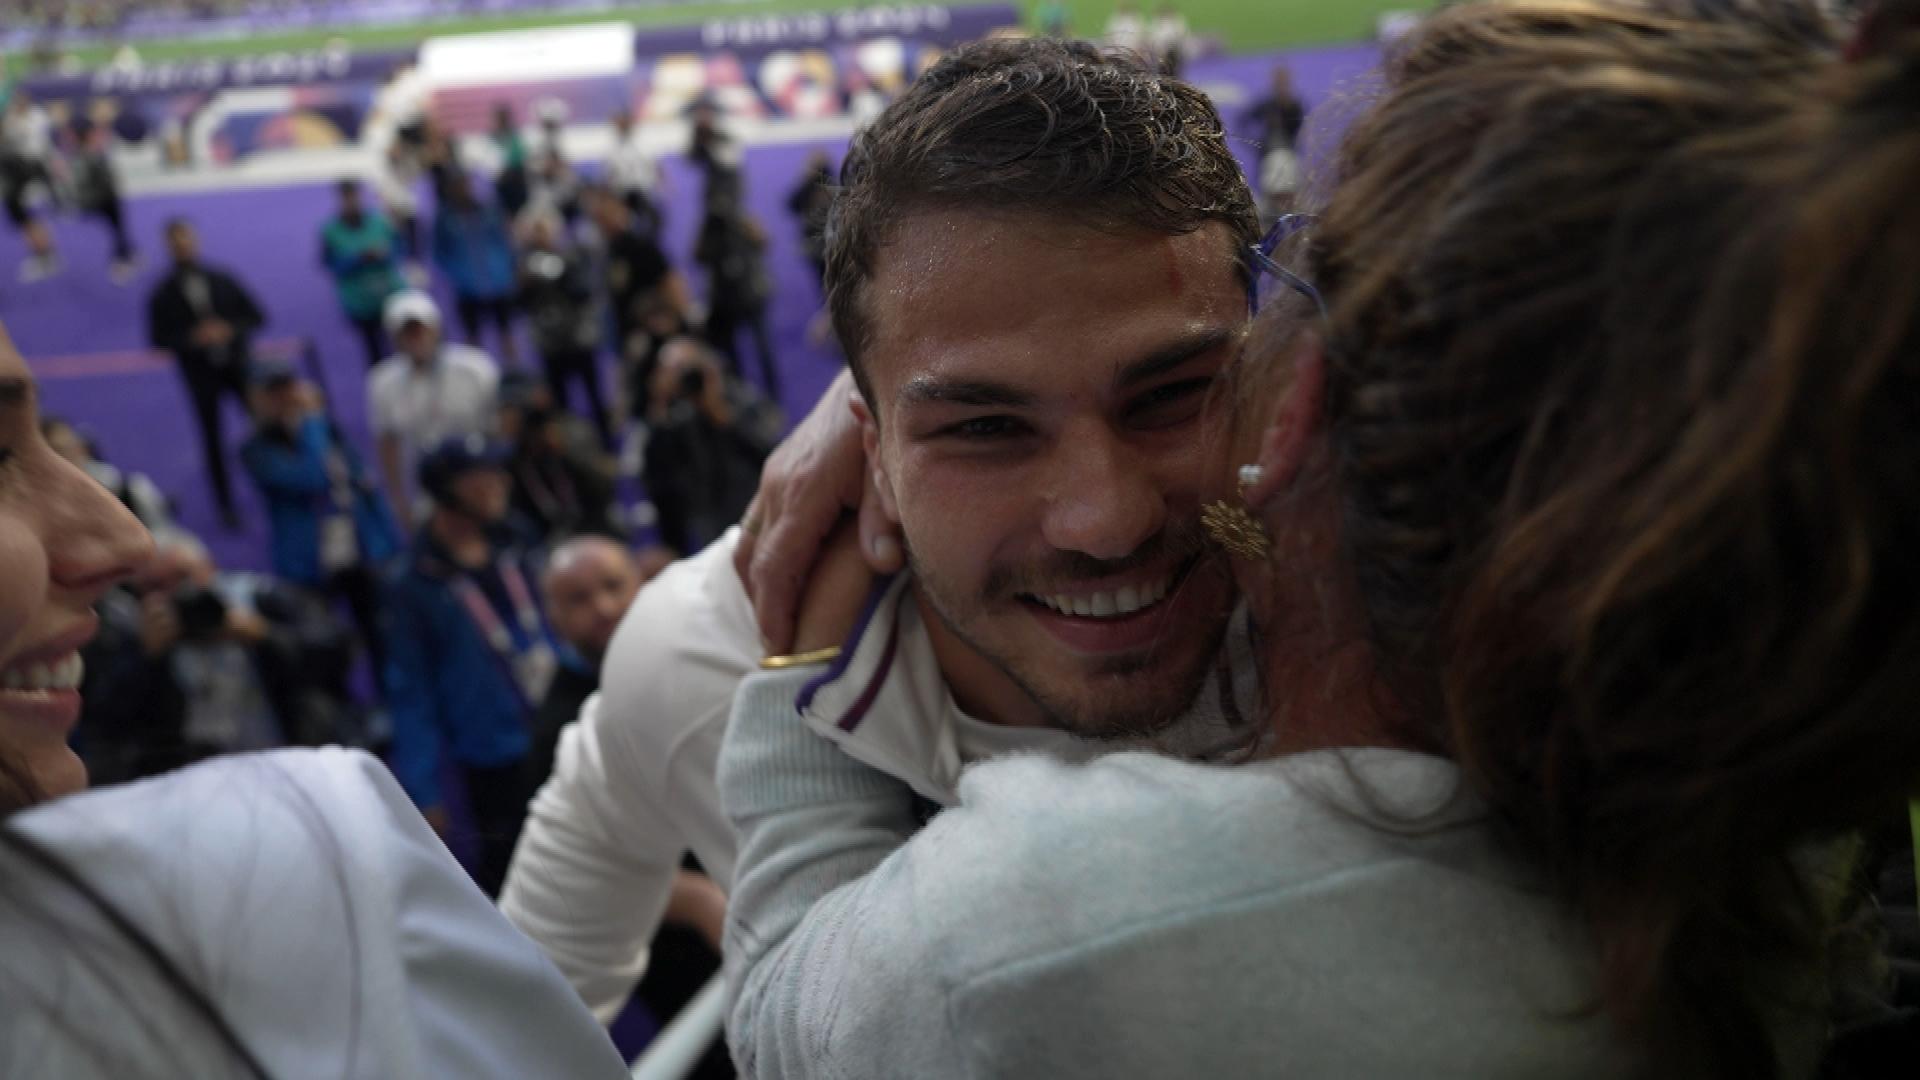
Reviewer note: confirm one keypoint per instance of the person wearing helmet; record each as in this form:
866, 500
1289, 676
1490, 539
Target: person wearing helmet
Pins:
470, 652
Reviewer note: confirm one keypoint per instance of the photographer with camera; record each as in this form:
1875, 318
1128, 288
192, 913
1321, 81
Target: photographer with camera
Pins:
192, 662
711, 432
331, 529
556, 292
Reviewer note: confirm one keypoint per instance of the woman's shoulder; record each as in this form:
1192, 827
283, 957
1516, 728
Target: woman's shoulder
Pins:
287, 812
1158, 836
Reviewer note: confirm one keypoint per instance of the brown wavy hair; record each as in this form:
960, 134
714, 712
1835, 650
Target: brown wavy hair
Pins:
1624, 416
1052, 127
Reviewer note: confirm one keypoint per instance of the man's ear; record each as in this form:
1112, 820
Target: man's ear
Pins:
1295, 427
882, 486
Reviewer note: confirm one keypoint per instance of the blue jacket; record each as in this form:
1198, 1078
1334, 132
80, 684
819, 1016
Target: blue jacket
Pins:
293, 478
448, 692
473, 248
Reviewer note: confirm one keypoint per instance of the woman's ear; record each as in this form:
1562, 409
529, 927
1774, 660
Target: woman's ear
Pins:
1297, 419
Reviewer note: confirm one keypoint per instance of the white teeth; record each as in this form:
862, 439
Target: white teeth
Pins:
62, 674
1108, 605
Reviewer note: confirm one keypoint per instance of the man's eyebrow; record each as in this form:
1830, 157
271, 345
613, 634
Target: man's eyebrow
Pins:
932, 390
1172, 355
15, 391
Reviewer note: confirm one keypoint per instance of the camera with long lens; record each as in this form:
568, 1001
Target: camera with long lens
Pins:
202, 612
693, 382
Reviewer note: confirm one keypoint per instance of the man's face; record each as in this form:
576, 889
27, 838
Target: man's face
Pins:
1043, 438
419, 340
350, 202
483, 492
587, 595
280, 402
183, 244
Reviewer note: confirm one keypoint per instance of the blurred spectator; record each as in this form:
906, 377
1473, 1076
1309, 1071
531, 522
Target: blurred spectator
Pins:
551, 113
732, 248
645, 290
713, 150
471, 244
511, 184
206, 318
469, 653
361, 250
555, 187
330, 529
589, 584
26, 159
396, 181
135, 490
710, 434
1127, 28
1276, 121
1052, 18
1168, 39
810, 202
633, 173
96, 186
559, 489
556, 290
193, 662
429, 391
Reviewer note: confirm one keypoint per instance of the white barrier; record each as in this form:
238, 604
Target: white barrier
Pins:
679, 1047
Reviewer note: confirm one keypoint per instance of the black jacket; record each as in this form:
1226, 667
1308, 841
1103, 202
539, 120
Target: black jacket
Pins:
171, 318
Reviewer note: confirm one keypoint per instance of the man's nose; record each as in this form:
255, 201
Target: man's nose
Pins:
1105, 496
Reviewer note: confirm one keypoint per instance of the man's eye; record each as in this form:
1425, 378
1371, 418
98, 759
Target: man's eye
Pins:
1171, 403
985, 428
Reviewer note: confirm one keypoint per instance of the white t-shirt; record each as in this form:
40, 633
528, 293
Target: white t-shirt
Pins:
29, 133
631, 168
456, 395
304, 897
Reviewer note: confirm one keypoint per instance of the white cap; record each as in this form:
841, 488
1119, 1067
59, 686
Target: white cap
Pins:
410, 305
551, 111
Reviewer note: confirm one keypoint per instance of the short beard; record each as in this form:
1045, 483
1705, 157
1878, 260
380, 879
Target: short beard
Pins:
1120, 718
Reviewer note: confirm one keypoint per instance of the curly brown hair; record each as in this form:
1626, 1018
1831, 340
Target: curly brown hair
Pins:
1042, 126
1623, 411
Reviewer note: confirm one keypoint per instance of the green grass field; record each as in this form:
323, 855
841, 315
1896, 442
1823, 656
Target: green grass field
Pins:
1245, 24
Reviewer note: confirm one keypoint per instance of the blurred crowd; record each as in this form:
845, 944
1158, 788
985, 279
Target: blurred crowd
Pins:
539, 446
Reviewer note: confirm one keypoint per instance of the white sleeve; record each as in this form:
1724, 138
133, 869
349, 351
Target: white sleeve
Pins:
634, 784
327, 925
594, 867
383, 405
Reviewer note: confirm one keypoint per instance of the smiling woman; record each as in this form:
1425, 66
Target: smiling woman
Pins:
64, 540
112, 903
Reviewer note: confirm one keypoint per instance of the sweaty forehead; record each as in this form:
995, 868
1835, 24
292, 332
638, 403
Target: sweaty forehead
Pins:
962, 288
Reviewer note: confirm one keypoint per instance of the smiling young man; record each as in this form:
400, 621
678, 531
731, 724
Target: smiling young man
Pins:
1036, 268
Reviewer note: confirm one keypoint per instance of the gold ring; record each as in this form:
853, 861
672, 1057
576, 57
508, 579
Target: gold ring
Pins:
817, 656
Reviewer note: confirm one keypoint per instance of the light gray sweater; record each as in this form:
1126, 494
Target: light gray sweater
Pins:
1135, 917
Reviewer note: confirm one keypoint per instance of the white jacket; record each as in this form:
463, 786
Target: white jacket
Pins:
301, 894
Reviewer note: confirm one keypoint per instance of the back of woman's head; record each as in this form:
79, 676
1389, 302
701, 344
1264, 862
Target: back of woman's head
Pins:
1624, 410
